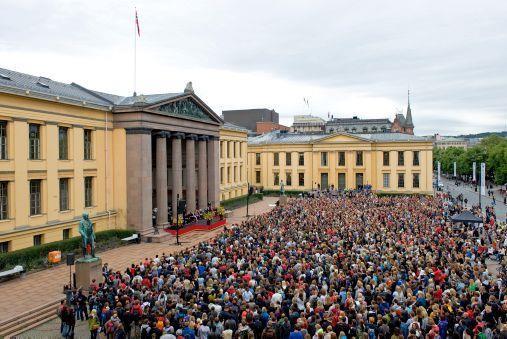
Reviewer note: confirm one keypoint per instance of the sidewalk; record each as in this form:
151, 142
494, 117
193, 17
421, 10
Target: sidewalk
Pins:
21, 294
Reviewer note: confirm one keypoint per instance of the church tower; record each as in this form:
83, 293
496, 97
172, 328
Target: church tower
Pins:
409, 125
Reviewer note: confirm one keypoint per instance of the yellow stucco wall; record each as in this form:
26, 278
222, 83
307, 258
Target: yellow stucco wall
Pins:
107, 168
233, 163
372, 168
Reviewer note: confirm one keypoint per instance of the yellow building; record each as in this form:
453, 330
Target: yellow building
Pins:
233, 155
389, 162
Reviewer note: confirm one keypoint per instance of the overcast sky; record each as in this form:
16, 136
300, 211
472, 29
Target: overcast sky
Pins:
348, 57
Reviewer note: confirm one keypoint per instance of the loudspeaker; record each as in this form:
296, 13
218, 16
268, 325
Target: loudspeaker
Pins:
182, 204
70, 259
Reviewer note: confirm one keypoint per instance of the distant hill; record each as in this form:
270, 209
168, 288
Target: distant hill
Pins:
482, 135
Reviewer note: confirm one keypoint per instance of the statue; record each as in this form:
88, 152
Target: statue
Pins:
282, 188
87, 235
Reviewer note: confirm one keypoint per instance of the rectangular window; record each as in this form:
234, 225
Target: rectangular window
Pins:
401, 180
401, 158
4, 200
385, 157
37, 240
257, 158
301, 157
63, 143
258, 177
415, 160
415, 180
66, 234
235, 176
288, 178
359, 158
323, 158
341, 158
386, 179
221, 175
34, 141
288, 159
276, 178
227, 150
4, 246
35, 197
276, 159
64, 194
301, 179
228, 174
241, 150
88, 182
234, 148
88, 144
342, 184
241, 173
3, 140
359, 180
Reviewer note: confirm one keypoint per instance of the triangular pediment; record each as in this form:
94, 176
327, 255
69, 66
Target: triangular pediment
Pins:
341, 138
188, 106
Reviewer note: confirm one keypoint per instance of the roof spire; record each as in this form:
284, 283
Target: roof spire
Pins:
408, 119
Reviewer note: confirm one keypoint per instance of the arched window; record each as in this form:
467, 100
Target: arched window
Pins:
383, 129
353, 130
365, 129
346, 129
374, 129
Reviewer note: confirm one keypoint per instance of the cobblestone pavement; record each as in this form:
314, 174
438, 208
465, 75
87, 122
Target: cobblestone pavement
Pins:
39, 288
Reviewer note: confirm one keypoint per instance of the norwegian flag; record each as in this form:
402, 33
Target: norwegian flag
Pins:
137, 25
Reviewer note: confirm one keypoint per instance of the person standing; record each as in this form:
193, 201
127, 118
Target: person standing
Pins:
93, 324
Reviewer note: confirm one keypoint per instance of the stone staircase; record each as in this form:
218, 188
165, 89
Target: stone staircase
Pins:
25, 321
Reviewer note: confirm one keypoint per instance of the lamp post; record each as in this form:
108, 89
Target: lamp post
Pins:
248, 198
177, 220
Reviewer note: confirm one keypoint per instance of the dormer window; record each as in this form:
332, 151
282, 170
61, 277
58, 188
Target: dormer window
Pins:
5, 76
43, 82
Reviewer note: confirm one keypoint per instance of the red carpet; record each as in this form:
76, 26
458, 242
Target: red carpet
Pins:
198, 226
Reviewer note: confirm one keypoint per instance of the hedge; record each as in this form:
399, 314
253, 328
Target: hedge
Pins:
36, 256
276, 193
241, 201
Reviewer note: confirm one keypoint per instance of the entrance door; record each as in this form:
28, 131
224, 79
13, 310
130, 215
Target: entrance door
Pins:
341, 181
323, 181
359, 180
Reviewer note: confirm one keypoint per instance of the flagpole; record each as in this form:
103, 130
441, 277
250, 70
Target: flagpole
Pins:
135, 50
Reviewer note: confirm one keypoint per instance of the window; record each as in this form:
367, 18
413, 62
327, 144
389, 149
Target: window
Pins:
374, 129
354, 130
64, 194
3, 140
359, 158
323, 158
235, 174
227, 150
4, 200
301, 179
37, 240
386, 158
4, 246
240, 149
88, 181
415, 160
228, 174
276, 159
383, 129
288, 178
386, 179
66, 234
35, 197
221, 175
258, 177
288, 159
415, 180
401, 158
34, 141
234, 148
241, 173
342, 183
88, 144
63, 143
301, 157
401, 180
365, 129
257, 158
276, 178
359, 180
341, 158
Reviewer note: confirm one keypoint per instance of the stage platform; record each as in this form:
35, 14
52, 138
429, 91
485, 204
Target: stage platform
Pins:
200, 225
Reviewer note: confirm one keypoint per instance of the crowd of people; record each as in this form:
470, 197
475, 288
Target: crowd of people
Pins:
323, 267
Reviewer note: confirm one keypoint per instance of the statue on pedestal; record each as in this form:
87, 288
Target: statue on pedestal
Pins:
87, 236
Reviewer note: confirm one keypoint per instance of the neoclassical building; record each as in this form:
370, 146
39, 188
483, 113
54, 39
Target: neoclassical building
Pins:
233, 161
389, 162
66, 149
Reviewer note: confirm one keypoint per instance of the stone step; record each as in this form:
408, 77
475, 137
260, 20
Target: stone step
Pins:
27, 315
25, 324
158, 238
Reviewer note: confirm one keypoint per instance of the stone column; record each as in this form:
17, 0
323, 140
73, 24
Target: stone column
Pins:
161, 177
177, 172
190, 170
213, 180
203, 173
139, 179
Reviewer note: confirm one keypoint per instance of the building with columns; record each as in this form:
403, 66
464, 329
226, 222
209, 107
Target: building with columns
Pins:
233, 161
66, 149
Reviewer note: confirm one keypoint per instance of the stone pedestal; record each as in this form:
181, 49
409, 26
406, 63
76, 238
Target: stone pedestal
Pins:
283, 200
88, 269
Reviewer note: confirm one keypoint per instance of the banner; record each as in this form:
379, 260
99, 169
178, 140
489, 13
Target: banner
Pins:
473, 172
455, 168
483, 178
438, 172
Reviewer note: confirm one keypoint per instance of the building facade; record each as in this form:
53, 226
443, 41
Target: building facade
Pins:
440, 141
248, 118
389, 162
233, 161
356, 125
308, 124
